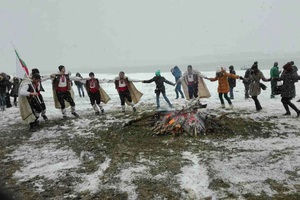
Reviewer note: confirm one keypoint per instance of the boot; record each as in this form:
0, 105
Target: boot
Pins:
73, 112
294, 108
96, 109
101, 108
123, 108
63, 111
222, 105
257, 105
133, 107
32, 127
44, 115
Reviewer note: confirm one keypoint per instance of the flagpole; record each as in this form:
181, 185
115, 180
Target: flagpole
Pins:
26, 72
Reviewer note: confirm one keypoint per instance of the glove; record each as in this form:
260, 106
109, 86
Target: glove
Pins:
241, 78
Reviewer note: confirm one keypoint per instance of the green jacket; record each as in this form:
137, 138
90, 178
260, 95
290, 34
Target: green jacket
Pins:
274, 72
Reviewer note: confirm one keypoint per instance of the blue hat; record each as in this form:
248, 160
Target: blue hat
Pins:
157, 73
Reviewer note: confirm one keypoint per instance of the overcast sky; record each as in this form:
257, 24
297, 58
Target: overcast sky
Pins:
124, 33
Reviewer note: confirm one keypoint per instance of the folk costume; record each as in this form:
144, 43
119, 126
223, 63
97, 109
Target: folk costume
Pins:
62, 92
127, 91
96, 94
193, 84
30, 101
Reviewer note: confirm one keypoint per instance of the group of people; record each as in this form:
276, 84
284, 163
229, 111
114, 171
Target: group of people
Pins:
189, 85
32, 106
287, 78
8, 88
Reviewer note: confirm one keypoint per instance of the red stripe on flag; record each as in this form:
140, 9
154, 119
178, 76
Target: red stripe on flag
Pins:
23, 64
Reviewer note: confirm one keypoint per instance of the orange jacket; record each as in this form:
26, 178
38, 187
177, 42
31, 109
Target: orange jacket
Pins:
223, 86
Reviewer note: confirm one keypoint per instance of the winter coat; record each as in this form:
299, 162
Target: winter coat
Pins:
288, 87
15, 89
78, 83
159, 81
4, 83
232, 81
223, 86
246, 79
176, 73
274, 72
254, 89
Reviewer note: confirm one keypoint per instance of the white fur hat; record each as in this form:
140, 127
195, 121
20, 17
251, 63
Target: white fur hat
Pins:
219, 69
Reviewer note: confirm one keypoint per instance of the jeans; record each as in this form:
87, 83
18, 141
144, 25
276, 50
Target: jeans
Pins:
231, 92
178, 89
225, 96
165, 97
273, 87
2, 100
80, 90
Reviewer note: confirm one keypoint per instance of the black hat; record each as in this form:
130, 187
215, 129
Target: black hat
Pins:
60, 67
36, 76
35, 71
230, 67
91, 74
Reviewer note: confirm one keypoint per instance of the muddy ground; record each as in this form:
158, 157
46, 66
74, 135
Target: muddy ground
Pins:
132, 145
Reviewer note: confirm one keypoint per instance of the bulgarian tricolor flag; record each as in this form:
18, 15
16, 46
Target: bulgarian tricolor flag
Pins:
21, 68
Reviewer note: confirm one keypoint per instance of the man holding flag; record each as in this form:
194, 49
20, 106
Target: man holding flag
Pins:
29, 103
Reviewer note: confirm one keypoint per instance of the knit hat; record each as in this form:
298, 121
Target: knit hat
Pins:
219, 69
60, 67
157, 73
91, 74
35, 71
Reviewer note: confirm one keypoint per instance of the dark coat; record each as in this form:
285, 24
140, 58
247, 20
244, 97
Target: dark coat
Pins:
288, 88
232, 81
78, 83
159, 81
246, 77
15, 88
4, 83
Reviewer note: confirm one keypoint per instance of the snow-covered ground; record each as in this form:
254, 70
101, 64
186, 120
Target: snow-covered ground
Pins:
247, 169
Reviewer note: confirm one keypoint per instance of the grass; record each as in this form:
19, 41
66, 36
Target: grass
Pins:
135, 145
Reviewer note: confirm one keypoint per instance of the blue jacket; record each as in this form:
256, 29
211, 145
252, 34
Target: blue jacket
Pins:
176, 73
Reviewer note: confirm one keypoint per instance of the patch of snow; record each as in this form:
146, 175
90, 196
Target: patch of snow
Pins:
194, 179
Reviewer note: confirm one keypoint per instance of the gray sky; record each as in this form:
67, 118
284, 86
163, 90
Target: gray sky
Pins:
124, 33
